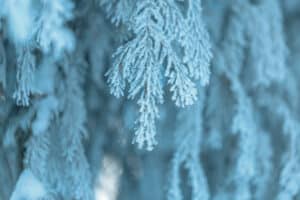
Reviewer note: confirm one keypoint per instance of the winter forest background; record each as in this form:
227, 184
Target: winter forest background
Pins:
149, 99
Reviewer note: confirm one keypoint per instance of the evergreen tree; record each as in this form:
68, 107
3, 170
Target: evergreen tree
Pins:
149, 99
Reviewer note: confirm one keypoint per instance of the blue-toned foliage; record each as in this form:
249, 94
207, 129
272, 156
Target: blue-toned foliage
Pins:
189, 136
166, 45
212, 90
52, 34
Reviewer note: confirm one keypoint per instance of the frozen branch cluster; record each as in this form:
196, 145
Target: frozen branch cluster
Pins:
210, 87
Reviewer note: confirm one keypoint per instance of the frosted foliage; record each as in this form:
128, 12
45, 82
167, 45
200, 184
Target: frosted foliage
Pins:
115, 10
189, 138
20, 18
25, 77
3, 65
149, 99
45, 109
28, 187
270, 56
161, 33
52, 35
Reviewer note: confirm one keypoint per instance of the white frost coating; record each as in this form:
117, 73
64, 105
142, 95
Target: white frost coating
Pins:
53, 35
28, 187
20, 18
44, 114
